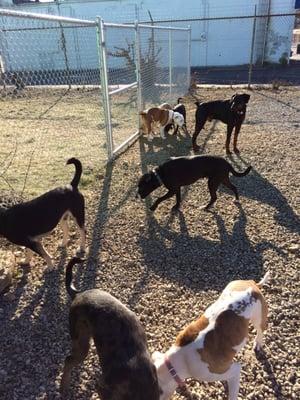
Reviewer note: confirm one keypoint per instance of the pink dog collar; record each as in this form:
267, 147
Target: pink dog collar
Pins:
173, 373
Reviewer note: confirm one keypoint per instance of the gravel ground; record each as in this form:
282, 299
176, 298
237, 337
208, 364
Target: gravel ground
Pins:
169, 268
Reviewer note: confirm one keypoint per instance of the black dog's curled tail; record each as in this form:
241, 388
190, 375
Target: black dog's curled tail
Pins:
240, 174
78, 171
72, 291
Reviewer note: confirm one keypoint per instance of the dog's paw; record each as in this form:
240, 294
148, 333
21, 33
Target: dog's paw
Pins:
228, 152
236, 150
175, 208
152, 208
196, 148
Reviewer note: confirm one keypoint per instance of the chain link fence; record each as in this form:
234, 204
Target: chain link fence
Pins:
73, 88
50, 102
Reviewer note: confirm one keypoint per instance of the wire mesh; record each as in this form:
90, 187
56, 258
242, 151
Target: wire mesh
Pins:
50, 103
164, 65
121, 64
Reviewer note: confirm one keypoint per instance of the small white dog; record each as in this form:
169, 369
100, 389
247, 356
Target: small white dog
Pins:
205, 349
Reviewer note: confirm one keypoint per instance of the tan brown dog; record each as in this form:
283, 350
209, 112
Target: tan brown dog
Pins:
161, 116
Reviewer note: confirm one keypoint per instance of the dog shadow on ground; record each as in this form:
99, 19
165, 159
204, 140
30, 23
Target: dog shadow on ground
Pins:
37, 324
258, 188
263, 359
200, 263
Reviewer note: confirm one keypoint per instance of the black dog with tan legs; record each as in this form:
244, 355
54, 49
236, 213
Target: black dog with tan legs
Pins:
183, 171
232, 112
26, 223
128, 372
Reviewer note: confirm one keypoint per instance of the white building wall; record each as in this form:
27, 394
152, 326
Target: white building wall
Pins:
214, 42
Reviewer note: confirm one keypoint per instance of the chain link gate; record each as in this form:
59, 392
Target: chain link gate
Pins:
141, 66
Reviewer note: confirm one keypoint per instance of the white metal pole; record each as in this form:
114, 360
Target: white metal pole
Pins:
189, 57
104, 85
138, 66
170, 63
252, 49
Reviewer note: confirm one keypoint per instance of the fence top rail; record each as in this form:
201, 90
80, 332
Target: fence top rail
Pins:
45, 17
196, 19
168, 28
114, 24
173, 28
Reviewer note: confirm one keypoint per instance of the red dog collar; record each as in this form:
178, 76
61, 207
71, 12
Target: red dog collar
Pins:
173, 373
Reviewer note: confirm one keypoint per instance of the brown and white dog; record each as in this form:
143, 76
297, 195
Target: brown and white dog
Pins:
162, 117
205, 349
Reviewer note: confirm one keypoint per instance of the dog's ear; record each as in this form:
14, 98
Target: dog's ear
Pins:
246, 97
233, 97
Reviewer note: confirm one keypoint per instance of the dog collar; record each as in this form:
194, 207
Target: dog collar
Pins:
157, 177
173, 373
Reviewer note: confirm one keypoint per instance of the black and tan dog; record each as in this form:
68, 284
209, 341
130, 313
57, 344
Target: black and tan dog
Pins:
232, 112
183, 171
26, 223
128, 372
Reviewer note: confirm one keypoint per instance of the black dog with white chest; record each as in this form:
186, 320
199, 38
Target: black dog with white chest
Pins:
232, 112
183, 171
180, 107
26, 223
128, 372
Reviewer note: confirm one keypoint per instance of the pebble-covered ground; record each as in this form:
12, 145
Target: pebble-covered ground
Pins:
169, 267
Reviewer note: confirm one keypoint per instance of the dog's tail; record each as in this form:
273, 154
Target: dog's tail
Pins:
179, 100
264, 280
78, 171
72, 291
240, 174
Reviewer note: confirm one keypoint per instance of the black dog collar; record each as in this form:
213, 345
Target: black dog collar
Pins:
157, 177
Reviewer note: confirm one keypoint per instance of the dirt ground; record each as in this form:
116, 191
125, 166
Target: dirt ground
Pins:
169, 267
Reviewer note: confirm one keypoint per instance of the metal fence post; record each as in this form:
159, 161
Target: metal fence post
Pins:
138, 66
252, 49
104, 84
189, 56
170, 63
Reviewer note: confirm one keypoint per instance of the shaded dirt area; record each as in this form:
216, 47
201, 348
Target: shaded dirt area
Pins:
169, 267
